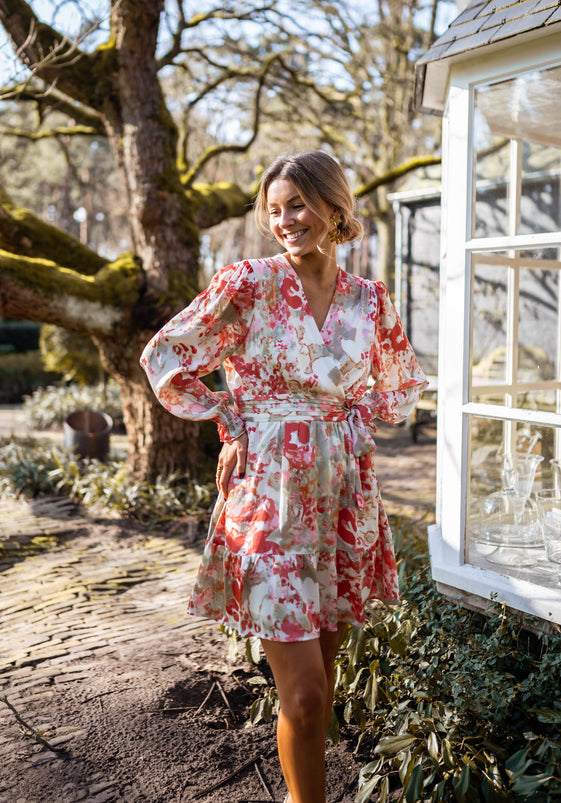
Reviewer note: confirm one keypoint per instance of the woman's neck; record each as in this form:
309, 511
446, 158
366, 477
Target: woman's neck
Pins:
321, 268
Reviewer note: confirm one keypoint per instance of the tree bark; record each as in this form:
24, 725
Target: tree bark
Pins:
160, 444
385, 227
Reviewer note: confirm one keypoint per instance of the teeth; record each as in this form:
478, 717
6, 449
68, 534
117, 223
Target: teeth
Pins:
293, 235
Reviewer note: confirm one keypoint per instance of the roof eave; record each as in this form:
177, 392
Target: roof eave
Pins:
432, 75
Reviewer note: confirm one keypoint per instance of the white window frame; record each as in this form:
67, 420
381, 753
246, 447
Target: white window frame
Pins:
447, 536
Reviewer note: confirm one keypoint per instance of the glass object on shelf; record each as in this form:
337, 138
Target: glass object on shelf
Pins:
556, 466
508, 518
549, 509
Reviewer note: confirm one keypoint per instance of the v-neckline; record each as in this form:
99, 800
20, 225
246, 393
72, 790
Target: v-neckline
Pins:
307, 308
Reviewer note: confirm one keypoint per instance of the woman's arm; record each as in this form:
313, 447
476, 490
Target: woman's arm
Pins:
195, 342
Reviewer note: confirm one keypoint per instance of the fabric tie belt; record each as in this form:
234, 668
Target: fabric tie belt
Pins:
293, 409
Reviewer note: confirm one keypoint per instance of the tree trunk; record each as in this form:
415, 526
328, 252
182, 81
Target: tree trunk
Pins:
385, 227
160, 444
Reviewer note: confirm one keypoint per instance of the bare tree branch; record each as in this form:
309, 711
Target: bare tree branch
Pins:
219, 13
54, 100
49, 133
215, 150
54, 58
397, 172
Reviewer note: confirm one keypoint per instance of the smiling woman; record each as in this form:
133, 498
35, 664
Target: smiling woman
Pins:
299, 540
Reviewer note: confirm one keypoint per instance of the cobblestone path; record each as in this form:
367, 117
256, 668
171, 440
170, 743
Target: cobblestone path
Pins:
64, 607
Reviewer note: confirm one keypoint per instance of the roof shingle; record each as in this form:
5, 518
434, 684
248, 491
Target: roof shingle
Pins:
486, 21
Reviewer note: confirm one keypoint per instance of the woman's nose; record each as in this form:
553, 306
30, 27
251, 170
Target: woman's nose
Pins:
286, 217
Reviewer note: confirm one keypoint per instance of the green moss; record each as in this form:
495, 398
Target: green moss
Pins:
117, 282
115, 285
220, 201
35, 238
182, 286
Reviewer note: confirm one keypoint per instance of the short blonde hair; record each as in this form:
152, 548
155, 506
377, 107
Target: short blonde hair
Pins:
318, 178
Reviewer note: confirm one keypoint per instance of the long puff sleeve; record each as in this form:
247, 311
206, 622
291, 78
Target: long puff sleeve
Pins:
195, 342
398, 380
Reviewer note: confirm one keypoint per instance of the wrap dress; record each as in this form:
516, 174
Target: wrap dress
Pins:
302, 541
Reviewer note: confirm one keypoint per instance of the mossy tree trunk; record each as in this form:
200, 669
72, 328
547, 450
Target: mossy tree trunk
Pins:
48, 276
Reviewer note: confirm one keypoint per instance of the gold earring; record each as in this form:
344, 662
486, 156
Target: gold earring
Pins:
335, 234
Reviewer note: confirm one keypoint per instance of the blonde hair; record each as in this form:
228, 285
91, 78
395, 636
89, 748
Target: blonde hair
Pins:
319, 180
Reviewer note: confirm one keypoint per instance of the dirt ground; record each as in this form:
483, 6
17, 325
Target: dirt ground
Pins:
159, 721
159, 717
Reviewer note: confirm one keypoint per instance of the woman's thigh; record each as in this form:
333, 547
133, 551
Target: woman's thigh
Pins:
298, 668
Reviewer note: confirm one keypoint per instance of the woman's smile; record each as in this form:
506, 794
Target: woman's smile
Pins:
294, 224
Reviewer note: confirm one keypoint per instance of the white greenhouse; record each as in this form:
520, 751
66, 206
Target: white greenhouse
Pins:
495, 76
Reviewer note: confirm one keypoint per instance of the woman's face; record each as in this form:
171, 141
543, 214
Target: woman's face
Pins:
293, 223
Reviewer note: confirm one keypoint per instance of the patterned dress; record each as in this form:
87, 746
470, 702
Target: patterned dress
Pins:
302, 541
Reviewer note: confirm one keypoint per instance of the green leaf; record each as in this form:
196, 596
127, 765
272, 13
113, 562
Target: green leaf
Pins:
399, 645
391, 745
367, 790
253, 650
518, 762
257, 680
549, 715
447, 754
528, 784
384, 789
461, 785
333, 728
415, 785
432, 745
371, 693
405, 767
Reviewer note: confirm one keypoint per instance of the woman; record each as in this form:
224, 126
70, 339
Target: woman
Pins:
299, 540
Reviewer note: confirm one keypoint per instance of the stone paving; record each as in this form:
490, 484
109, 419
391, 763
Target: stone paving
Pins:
66, 600
64, 603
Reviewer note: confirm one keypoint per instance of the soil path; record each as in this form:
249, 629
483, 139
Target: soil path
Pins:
109, 692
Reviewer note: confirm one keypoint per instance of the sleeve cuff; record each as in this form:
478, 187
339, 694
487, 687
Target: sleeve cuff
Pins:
230, 425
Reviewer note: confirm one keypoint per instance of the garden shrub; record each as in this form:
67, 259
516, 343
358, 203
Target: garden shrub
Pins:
49, 406
29, 467
446, 704
451, 704
18, 336
21, 374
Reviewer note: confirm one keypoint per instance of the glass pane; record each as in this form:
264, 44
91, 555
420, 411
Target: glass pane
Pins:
536, 400
489, 314
538, 321
509, 462
539, 202
516, 330
488, 398
517, 187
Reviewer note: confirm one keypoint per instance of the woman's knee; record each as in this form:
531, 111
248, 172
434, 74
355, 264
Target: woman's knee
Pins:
304, 704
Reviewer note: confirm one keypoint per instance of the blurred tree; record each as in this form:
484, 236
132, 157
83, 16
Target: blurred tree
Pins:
178, 101
71, 354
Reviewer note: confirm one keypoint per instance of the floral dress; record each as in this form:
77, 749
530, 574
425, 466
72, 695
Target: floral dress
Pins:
302, 540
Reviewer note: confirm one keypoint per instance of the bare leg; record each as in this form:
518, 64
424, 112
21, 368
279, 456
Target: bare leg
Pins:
303, 673
330, 643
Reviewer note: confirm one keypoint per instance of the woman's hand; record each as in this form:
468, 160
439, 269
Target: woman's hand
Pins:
232, 458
